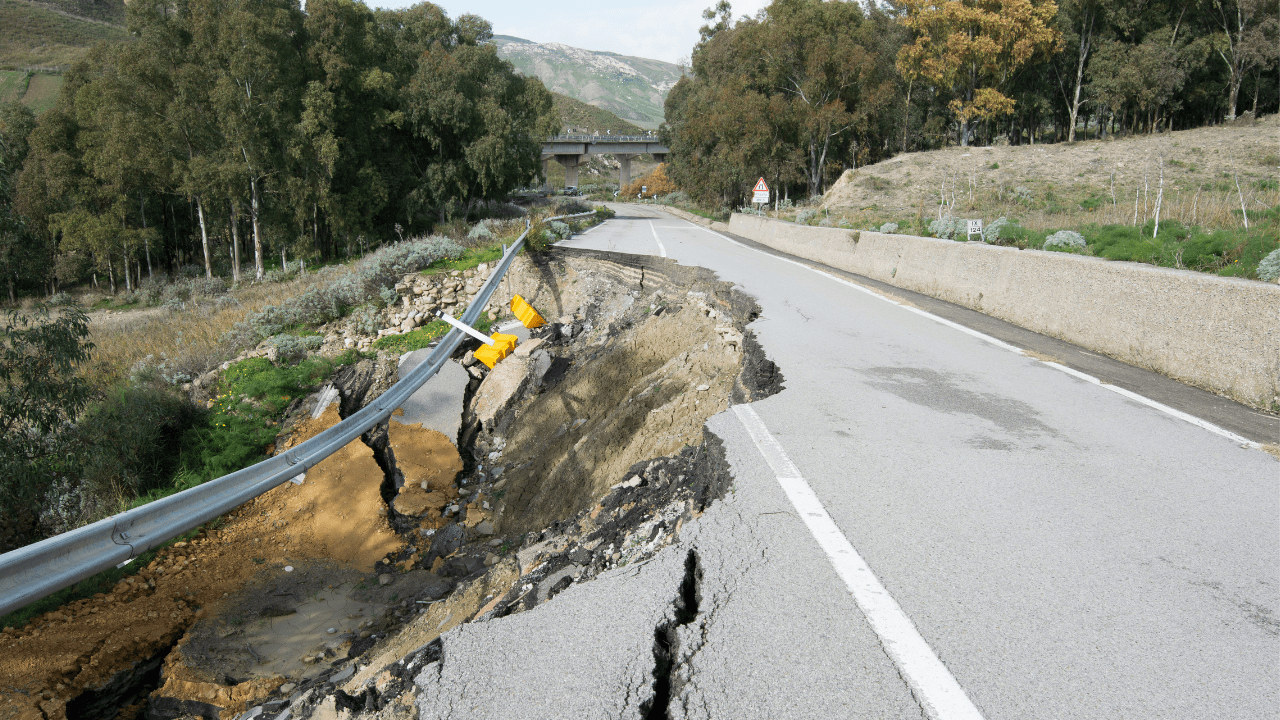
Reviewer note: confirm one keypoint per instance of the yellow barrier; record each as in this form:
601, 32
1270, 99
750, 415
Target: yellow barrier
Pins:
501, 347
525, 313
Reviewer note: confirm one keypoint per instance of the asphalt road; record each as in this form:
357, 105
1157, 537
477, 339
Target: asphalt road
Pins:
924, 523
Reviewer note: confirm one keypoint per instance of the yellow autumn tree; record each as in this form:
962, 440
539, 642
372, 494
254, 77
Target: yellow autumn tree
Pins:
654, 184
973, 48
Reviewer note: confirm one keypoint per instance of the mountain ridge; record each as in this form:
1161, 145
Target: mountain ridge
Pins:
633, 88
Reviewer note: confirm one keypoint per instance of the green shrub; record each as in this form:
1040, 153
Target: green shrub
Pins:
1269, 268
1066, 239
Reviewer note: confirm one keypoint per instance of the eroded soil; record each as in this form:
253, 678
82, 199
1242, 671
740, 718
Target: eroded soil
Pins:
583, 451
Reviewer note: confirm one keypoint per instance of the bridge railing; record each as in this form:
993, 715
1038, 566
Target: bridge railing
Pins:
40, 569
606, 138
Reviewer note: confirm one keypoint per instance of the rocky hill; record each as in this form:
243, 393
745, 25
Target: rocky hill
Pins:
579, 117
632, 88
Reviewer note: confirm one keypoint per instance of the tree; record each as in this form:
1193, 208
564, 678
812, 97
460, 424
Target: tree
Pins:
1077, 20
40, 398
973, 48
1238, 22
16, 123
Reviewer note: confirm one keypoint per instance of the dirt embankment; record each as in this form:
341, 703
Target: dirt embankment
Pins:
583, 451
1192, 159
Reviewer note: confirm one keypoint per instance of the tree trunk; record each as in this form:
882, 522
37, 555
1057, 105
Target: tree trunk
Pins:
235, 243
204, 239
111, 275
142, 209
257, 228
1086, 38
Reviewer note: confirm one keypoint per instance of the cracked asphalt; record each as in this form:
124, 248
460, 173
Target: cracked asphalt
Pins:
1066, 552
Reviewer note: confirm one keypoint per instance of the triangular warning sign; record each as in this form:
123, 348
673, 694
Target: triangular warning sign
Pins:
761, 186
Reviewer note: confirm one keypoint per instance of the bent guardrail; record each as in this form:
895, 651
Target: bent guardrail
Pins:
40, 569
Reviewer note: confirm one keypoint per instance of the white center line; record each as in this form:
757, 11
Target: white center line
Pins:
1161, 407
937, 690
661, 250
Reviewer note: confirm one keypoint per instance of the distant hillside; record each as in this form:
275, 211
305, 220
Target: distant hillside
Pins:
632, 88
579, 117
58, 32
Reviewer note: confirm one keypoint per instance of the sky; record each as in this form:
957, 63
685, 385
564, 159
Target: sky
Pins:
661, 29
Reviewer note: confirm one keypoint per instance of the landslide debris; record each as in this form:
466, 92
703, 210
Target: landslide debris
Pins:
583, 451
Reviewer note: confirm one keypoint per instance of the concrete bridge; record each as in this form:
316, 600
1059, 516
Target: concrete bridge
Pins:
569, 149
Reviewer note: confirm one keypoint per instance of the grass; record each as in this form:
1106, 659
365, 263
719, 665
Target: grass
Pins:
13, 85
42, 92
425, 335
37, 36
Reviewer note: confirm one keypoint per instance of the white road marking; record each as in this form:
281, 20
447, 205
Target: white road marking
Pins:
936, 689
661, 250
1203, 424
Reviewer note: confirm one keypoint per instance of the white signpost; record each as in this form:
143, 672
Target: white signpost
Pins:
975, 228
760, 193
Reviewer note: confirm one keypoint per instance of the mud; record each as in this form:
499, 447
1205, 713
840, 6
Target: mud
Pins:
319, 599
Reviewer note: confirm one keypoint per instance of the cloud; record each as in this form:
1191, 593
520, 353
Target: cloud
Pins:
666, 30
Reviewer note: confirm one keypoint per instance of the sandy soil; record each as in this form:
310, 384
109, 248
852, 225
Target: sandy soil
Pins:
1192, 158
336, 514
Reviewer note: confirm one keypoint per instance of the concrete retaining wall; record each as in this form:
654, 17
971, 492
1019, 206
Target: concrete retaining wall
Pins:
1222, 334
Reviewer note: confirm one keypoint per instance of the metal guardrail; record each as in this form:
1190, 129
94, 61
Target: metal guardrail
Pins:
38, 570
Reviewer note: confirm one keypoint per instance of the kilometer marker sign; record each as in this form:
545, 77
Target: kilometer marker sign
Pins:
760, 193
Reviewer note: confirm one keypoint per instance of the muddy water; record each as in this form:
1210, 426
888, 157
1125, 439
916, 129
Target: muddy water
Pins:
594, 455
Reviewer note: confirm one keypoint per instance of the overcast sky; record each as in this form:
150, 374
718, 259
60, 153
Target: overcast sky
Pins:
659, 29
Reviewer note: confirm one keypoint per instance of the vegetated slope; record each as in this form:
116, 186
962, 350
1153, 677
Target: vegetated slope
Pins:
1044, 183
35, 34
106, 11
13, 85
579, 117
632, 88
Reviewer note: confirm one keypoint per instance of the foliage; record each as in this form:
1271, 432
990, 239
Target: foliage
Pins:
40, 398
579, 117
652, 185
795, 94
253, 395
991, 233
889, 228
973, 48
1064, 239
291, 348
945, 227
1269, 268
362, 283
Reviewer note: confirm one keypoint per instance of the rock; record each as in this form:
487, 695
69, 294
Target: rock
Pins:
333, 631
408, 324
496, 542
469, 359
490, 560
343, 674
383, 579
445, 541
485, 527
703, 388
526, 348
287, 688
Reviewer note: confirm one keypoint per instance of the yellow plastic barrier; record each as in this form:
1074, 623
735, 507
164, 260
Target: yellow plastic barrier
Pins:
501, 347
525, 313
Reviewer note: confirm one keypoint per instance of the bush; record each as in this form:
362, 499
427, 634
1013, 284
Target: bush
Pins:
1269, 268
806, 216
559, 229
480, 231
363, 283
1064, 239
945, 228
889, 228
991, 233
40, 397
679, 197
291, 348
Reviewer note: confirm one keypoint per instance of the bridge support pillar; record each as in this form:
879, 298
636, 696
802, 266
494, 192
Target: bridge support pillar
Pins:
570, 163
546, 173
624, 171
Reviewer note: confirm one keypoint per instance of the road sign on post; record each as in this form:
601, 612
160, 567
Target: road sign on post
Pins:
760, 193
975, 228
